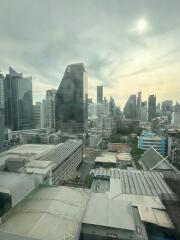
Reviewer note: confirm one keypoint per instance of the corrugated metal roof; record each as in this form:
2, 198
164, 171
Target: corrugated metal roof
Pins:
61, 152
109, 212
135, 181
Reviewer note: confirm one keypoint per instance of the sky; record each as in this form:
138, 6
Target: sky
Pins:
126, 45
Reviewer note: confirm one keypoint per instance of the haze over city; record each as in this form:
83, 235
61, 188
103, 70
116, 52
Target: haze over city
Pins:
127, 46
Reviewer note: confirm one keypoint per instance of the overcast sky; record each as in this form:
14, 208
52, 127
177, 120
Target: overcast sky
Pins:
126, 45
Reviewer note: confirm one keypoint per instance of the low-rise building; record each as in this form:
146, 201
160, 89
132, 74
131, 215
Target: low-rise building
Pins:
151, 160
149, 139
49, 163
106, 218
13, 189
144, 191
48, 213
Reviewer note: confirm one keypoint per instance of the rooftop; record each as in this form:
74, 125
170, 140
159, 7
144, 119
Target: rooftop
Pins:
61, 152
152, 160
124, 156
135, 181
109, 212
106, 157
31, 149
38, 164
48, 213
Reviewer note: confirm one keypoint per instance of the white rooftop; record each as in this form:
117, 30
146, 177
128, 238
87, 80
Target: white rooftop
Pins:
38, 164
31, 149
124, 156
106, 158
49, 213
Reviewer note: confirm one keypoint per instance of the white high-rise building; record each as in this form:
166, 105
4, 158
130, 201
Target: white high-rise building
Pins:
39, 114
175, 119
100, 110
144, 112
92, 110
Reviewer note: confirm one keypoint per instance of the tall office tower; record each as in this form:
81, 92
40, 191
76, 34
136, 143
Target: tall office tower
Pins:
1, 111
151, 107
106, 107
130, 107
167, 106
112, 107
71, 103
39, 114
144, 111
90, 100
100, 94
100, 110
175, 119
18, 101
92, 110
177, 107
138, 106
50, 108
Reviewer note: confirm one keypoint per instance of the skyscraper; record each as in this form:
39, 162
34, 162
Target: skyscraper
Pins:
112, 106
151, 107
18, 100
138, 106
50, 108
39, 114
71, 103
1, 111
144, 111
167, 106
100, 94
130, 107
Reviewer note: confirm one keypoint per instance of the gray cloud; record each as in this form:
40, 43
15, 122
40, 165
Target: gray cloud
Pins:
42, 37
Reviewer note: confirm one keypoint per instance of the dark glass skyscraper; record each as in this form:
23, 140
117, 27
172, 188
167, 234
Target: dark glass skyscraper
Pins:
138, 106
151, 107
100, 94
1, 111
130, 107
71, 106
18, 101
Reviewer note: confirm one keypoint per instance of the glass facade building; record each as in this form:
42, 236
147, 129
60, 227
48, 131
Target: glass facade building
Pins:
151, 107
1, 111
100, 94
71, 103
18, 101
130, 107
50, 108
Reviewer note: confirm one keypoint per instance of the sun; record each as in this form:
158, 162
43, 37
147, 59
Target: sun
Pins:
141, 25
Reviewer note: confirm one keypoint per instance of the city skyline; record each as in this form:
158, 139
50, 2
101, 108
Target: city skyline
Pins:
126, 46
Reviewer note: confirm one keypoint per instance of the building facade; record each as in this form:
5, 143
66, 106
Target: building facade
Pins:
144, 111
149, 139
100, 94
138, 106
151, 107
71, 103
130, 107
50, 108
175, 119
1, 111
18, 101
39, 115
